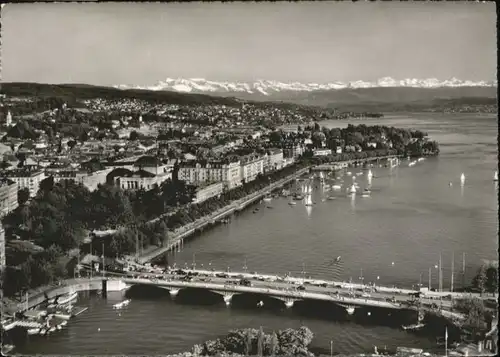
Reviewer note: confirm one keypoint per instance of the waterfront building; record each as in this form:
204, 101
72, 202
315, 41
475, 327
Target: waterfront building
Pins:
27, 177
274, 160
8, 196
251, 166
203, 172
205, 192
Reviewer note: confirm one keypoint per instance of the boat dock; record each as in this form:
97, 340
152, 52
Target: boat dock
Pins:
78, 310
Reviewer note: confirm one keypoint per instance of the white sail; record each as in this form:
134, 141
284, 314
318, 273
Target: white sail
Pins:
462, 177
353, 189
495, 177
370, 174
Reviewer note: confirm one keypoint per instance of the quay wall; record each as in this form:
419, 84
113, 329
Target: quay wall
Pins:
70, 286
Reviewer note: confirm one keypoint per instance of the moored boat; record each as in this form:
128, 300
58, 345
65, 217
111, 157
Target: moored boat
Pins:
413, 327
121, 304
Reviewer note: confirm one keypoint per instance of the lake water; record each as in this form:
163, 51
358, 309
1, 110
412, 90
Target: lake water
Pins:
397, 234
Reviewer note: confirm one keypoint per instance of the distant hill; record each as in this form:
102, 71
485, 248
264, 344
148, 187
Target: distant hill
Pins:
84, 91
380, 99
339, 94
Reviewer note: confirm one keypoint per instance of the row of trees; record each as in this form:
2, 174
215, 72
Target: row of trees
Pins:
486, 279
361, 137
253, 342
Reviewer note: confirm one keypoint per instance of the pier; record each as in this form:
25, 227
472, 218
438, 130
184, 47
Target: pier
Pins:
333, 166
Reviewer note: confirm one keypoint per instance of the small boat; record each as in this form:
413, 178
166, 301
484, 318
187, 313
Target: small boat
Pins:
450, 183
350, 310
267, 199
462, 177
352, 189
34, 331
292, 203
260, 303
495, 176
121, 304
338, 259
413, 327
365, 195
64, 299
6, 349
299, 197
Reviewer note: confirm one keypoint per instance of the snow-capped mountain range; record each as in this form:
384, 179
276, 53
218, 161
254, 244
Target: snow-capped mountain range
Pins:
269, 87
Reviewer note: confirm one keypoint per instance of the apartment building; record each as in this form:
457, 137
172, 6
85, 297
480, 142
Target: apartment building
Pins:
251, 166
198, 173
293, 150
273, 160
27, 177
205, 192
8, 196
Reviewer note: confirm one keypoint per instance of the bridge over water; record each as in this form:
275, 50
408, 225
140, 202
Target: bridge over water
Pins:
288, 296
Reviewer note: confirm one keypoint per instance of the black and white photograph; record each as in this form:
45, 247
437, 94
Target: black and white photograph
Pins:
307, 178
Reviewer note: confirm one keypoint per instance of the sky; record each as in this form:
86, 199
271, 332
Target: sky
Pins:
142, 43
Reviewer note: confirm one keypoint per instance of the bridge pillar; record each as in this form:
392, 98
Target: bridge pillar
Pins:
173, 293
289, 303
104, 288
227, 298
350, 309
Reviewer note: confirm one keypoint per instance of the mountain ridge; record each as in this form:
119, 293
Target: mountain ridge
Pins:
270, 87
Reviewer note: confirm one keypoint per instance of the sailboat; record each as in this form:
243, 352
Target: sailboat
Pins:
352, 189
370, 173
308, 197
462, 177
419, 325
495, 176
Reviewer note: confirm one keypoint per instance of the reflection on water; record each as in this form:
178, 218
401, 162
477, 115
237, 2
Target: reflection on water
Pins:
353, 201
309, 211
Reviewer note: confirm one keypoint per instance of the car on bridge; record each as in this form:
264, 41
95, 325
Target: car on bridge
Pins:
245, 282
